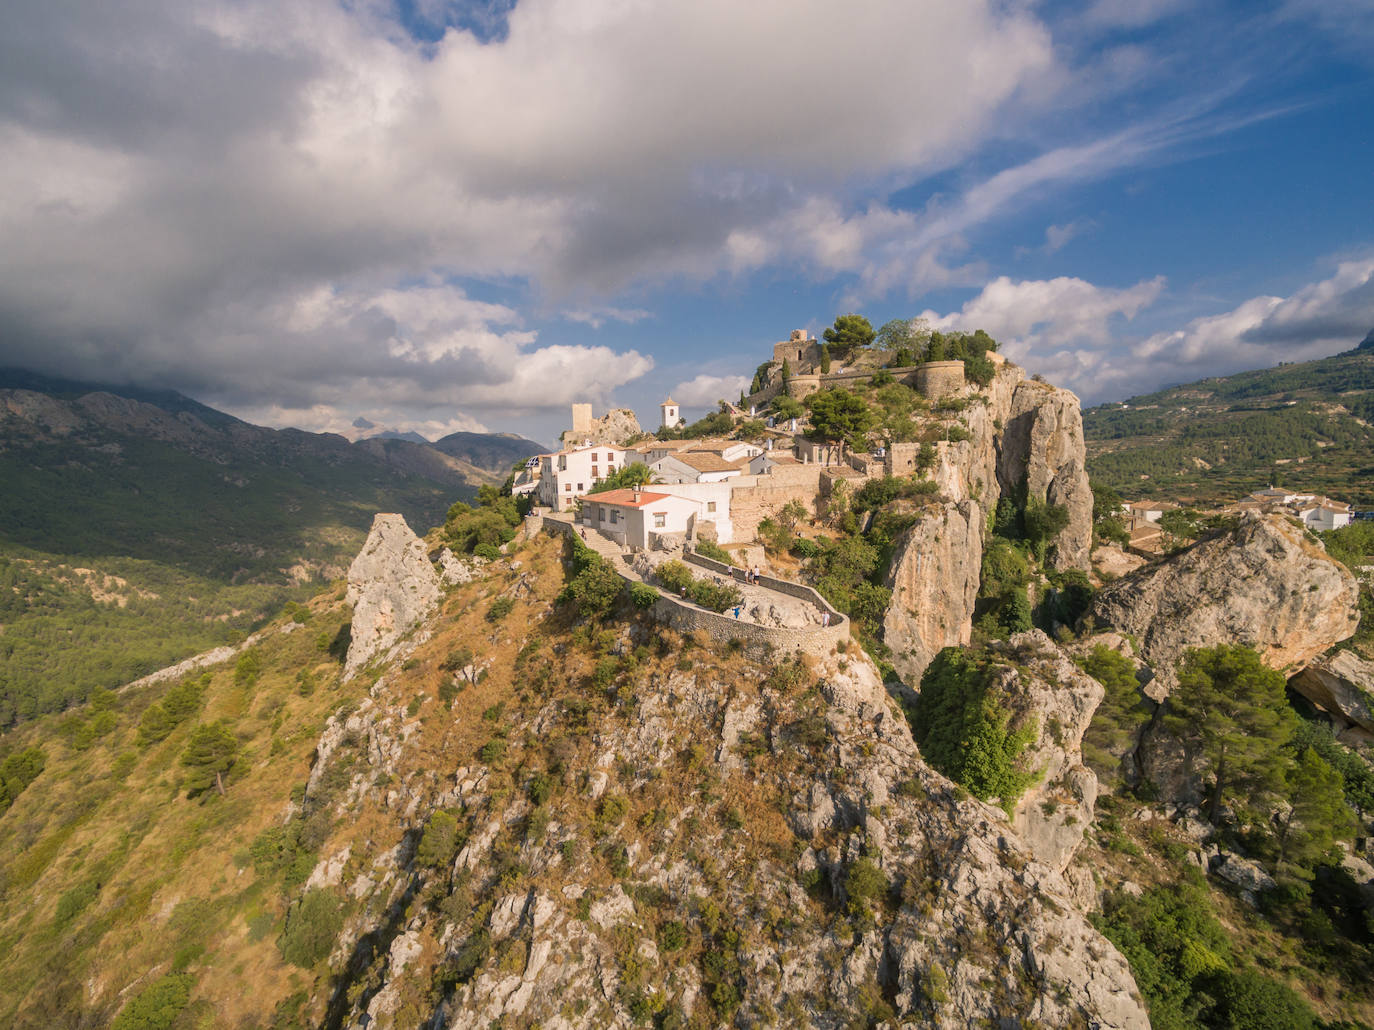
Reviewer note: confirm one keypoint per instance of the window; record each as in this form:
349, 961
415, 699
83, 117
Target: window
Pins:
567, 487
710, 506
562, 463
610, 470
580, 488
595, 473
593, 457
615, 516
660, 520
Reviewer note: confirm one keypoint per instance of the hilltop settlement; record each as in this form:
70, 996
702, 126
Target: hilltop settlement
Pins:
853, 703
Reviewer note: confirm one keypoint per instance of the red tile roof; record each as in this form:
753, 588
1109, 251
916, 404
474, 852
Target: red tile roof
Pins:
626, 498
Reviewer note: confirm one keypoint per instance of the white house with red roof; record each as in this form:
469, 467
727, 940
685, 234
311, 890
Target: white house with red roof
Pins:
633, 517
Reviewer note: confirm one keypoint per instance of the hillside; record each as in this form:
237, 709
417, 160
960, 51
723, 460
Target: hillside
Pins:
1307, 425
143, 526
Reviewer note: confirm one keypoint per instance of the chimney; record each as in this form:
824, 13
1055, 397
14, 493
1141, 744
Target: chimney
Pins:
634, 494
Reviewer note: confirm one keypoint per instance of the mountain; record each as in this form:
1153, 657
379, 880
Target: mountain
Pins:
493, 451
147, 526
1307, 425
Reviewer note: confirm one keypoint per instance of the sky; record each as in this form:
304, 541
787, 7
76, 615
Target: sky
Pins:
451, 214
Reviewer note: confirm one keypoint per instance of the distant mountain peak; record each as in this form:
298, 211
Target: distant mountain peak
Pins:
1368, 342
362, 423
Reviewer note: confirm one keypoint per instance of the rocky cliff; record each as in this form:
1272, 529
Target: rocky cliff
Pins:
1342, 685
1265, 585
391, 585
1025, 441
614, 427
698, 838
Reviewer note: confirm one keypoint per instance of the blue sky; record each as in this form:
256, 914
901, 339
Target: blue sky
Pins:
447, 215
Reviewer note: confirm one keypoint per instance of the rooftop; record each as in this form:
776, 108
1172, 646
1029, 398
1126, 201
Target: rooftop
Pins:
626, 498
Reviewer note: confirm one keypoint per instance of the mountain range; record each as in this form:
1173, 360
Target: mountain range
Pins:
194, 522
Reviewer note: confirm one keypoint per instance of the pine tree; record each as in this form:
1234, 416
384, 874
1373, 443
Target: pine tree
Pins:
210, 754
1230, 712
1318, 815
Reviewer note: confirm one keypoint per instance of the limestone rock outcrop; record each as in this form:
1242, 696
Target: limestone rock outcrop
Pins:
1342, 685
1264, 585
1052, 815
1042, 446
391, 586
975, 929
614, 427
934, 582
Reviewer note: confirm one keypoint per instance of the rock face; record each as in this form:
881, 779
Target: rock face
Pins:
1042, 447
1027, 437
971, 928
1053, 814
934, 582
1264, 585
1343, 686
614, 427
391, 586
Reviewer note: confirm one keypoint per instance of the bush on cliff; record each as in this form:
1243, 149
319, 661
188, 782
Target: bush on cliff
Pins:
964, 729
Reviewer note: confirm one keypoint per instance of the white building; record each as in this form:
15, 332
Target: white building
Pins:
729, 450
693, 467
672, 414
568, 475
1324, 515
634, 517
762, 464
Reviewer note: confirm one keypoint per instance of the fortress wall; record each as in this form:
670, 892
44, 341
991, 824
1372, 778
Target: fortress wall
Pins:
936, 379
686, 617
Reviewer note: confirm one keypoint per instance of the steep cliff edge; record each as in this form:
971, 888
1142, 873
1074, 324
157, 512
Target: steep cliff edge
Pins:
1264, 585
391, 585
1025, 441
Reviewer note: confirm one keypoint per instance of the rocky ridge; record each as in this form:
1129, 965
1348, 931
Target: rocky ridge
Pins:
391, 585
1342, 685
966, 923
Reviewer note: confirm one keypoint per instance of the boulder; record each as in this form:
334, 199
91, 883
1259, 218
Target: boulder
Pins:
1266, 585
391, 585
934, 582
1342, 685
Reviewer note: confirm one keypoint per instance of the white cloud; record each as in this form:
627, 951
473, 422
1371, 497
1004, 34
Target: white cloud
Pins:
1072, 330
596, 317
705, 390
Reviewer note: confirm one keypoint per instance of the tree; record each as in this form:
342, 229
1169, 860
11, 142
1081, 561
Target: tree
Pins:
1230, 712
849, 333
786, 407
1317, 816
1042, 522
210, 754
312, 925
936, 350
1180, 525
839, 415
786, 372
900, 334
632, 475
825, 357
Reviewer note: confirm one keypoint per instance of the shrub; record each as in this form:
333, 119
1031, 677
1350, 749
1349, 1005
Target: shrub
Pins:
75, 901
489, 551
672, 936
864, 884
711, 549
642, 596
440, 841
492, 751
500, 608
312, 925
674, 576
964, 731
157, 1006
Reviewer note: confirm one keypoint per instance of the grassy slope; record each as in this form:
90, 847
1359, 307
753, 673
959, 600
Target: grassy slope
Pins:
1307, 424
175, 875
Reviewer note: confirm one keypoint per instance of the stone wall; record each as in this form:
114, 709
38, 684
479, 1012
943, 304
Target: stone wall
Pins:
798, 354
686, 617
936, 379
802, 386
755, 498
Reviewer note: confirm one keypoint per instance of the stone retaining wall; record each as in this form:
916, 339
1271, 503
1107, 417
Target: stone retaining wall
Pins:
686, 617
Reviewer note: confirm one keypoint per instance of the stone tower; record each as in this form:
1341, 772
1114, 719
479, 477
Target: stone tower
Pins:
581, 420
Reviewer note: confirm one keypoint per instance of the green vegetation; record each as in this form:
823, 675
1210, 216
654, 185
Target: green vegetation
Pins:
849, 333
718, 423
210, 754
632, 475
17, 771
1186, 969
677, 578
158, 1005
1353, 546
1118, 719
488, 525
962, 725
1306, 424
594, 587
312, 925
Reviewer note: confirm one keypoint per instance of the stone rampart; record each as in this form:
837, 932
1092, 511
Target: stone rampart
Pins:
937, 379
686, 617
